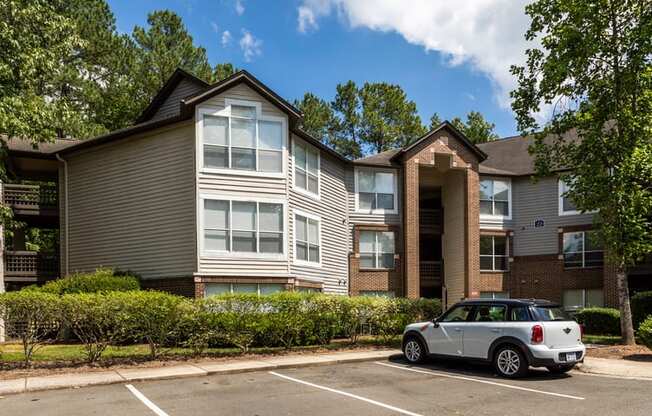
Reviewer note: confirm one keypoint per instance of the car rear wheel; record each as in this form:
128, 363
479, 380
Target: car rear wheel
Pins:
414, 350
560, 369
510, 362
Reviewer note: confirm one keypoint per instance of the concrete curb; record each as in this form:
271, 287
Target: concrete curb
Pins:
616, 368
77, 380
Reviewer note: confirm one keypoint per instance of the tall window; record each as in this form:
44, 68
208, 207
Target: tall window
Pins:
566, 204
493, 253
582, 298
307, 246
238, 139
243, 226
376, 250
582, 249
495, 198
306, 168
376, 190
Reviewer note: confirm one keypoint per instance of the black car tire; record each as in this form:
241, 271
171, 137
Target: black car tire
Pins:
510, 362
414, 350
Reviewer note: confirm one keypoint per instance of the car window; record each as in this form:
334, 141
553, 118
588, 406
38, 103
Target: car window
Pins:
520, 314
458, 314
490, 313
551, 313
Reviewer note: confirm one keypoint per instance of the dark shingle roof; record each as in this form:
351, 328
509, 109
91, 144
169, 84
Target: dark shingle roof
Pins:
379, 159
17, 145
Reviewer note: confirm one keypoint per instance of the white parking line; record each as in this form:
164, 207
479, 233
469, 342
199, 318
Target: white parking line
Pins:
154, 408
343, 393
493, 383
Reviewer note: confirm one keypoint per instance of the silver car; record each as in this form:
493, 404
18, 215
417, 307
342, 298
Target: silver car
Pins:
513, 334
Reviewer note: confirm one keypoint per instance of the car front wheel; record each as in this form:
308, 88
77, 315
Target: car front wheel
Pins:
510, 362
414, 350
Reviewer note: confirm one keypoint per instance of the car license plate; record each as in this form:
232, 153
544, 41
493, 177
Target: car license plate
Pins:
570, 356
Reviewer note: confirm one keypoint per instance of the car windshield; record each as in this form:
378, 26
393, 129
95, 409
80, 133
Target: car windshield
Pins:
550, 313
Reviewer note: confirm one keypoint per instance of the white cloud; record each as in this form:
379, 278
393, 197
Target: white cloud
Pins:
250, 45
215, 27
485, 34
226, 38
239, 7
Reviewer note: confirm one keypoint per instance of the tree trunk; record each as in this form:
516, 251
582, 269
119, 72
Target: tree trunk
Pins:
626, 325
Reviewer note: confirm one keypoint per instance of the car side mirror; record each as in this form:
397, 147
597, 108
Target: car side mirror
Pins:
435, 322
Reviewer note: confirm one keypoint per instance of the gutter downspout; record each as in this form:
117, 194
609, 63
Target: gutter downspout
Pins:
65, 206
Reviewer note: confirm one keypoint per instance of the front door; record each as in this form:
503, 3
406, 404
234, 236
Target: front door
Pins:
447, 335
485, 326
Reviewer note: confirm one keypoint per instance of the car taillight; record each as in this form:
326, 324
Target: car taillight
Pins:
537, 334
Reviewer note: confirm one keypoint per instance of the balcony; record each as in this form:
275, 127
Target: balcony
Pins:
431, 272
40, 200
30, 266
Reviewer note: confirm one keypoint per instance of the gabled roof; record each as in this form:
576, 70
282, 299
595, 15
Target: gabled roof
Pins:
242, 76
177, 76
24, 147
445, 125
379, 159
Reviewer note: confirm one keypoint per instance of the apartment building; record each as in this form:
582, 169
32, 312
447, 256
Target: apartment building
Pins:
216, 189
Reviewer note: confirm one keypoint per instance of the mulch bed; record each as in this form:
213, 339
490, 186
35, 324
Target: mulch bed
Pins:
623, 352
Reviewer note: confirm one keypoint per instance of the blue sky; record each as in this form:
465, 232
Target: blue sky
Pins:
449, 72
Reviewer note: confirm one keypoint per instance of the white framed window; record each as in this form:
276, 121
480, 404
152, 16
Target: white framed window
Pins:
574, 299
566, 204
307, 239
376, 249
495, 198
494, 254
582, 249
213, 289
239, 139
376, 191
241, 227
306, 169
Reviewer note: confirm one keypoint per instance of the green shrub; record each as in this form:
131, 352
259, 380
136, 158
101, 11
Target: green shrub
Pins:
92, 318
641, 307
31, 316
236, 320
153, 317
645, 332
101, 280
600, 321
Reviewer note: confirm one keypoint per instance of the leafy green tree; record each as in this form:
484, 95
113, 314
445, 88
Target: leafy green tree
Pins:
164, 46
222, 71
594, 68
476, 128
319, 119
435, 121
347, 108
389, 119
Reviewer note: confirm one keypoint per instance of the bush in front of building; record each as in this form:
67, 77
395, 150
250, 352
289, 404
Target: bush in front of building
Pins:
599, 321
101, 280
641, 307
645, 332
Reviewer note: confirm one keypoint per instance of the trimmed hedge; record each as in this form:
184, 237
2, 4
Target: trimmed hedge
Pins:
101, 280
285, 319
641, 307
600, 321
645, 332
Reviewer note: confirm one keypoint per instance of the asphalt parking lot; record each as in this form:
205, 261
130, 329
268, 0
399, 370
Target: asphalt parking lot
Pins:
370, 388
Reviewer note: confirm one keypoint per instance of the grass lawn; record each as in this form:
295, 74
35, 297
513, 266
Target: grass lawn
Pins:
74, 353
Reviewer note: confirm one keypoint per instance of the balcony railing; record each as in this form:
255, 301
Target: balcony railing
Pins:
30, 198
30, 265
430, 271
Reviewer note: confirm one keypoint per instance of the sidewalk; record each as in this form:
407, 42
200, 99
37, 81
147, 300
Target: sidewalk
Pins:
619, 368
73, 380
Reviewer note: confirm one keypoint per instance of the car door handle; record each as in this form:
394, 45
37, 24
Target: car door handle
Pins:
495, 330
458, 329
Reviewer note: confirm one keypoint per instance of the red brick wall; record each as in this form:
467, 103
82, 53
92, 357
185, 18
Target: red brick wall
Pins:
179, 286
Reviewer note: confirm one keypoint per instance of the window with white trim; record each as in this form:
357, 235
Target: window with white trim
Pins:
376, 190
495, 198
307, 246
582, 249
306, 168
566, 204
243, 227
215, 289
376, 249
494, 295
574, 299
239, 139
493, 253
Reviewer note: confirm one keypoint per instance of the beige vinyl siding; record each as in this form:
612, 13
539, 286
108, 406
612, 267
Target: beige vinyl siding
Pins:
365, 218
226, 186
131, 205
171, 105
332, 210
535, 201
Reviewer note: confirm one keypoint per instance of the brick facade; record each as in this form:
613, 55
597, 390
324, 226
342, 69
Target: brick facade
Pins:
178, 286
386, 280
